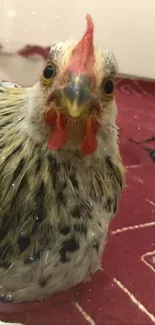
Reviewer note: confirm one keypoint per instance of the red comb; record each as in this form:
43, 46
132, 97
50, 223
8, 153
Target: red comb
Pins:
82, 59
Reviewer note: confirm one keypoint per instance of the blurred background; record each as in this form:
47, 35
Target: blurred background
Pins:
125, 27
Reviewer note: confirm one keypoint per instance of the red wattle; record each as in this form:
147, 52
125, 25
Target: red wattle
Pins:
58, 136
89, 144
57, 139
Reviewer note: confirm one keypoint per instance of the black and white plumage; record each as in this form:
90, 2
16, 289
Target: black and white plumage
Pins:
56, 203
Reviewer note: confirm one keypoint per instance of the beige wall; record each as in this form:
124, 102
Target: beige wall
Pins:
127, 27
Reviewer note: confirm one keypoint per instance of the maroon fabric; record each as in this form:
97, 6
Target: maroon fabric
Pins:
122, 293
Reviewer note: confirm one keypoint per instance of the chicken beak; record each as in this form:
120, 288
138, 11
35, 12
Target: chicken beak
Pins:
77, 97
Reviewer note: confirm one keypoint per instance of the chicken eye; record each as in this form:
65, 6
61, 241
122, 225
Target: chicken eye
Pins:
108, 87
49, 73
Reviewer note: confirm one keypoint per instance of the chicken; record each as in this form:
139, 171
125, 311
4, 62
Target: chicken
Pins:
60, 171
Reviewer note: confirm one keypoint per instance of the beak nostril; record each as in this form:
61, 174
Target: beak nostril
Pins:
78, 92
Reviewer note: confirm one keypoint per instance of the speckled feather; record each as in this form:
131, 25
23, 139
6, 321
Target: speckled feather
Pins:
55, 206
